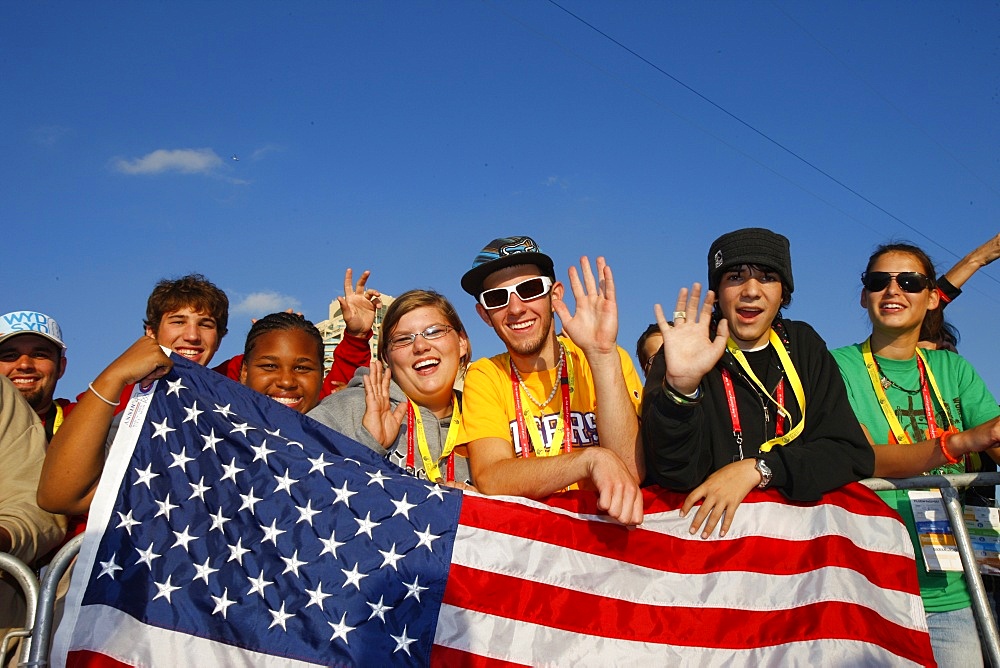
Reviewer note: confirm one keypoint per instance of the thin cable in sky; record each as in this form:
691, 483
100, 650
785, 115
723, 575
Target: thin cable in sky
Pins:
753, 129
701, 128
902, 113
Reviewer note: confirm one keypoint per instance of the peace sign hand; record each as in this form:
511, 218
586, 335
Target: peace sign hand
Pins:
358, 304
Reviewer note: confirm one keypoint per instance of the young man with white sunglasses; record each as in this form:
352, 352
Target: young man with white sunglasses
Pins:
540, 399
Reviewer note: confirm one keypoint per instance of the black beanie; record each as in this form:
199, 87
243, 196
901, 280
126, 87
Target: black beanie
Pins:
751, 245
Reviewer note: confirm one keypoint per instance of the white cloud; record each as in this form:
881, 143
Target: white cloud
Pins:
184, 160
259, 304
261, 152
557, 181
49, 135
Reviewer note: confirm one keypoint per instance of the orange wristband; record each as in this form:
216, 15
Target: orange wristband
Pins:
943, 443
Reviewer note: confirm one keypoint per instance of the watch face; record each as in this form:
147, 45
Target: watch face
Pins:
765, 473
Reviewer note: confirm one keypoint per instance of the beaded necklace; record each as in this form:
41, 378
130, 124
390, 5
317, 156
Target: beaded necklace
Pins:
555, 386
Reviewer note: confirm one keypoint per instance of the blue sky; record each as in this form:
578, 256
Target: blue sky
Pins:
403, 136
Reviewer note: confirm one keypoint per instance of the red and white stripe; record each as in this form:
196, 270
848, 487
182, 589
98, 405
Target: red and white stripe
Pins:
538, 584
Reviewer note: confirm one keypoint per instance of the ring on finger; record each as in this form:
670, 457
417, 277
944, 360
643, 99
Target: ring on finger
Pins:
680, 314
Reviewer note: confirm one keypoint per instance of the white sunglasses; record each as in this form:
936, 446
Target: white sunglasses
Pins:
526, 290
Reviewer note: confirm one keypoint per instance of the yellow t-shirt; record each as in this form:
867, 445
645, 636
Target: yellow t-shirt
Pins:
488, 408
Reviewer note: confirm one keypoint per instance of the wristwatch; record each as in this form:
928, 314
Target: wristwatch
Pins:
765, 473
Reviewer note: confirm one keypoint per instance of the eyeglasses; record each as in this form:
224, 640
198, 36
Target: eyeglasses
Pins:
430, 334
526, 290
908, 281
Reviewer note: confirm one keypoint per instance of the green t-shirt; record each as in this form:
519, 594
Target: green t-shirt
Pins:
969, 403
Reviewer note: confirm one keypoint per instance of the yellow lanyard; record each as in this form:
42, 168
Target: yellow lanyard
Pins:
431, 467
58, 420
883, 401
526, 418
537, 444
52, 420
793, 380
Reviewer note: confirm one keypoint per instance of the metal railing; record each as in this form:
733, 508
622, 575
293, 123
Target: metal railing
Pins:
949, 485
44, 617
25, 577
37, 636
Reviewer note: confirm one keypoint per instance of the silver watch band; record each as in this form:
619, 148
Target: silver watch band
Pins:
765, 473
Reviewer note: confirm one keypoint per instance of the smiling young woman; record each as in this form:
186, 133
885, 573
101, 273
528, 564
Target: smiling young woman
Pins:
925, 411
425, 356
408, 410
283, 359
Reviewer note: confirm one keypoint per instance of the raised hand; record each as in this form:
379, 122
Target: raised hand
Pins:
989, 251
689, 351
594, 326
381, 420
358, 304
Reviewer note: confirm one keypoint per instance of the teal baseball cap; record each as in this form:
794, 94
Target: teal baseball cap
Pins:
502, 253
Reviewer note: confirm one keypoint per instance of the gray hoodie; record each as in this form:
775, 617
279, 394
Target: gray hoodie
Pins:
344, 410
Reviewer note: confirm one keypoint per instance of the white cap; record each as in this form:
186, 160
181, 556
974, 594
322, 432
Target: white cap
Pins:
30, 322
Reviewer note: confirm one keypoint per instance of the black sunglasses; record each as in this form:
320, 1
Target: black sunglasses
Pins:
526, 290
908, 281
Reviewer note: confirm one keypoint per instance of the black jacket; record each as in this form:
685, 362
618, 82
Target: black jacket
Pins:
684, 444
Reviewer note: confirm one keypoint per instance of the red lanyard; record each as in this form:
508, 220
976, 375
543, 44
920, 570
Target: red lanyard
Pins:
567, 418
734, 413
522, 428
925, 393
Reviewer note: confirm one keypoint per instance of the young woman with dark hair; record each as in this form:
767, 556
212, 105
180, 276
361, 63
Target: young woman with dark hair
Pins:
924, 410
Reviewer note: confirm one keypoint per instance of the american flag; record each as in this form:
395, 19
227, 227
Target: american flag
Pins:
230, 530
